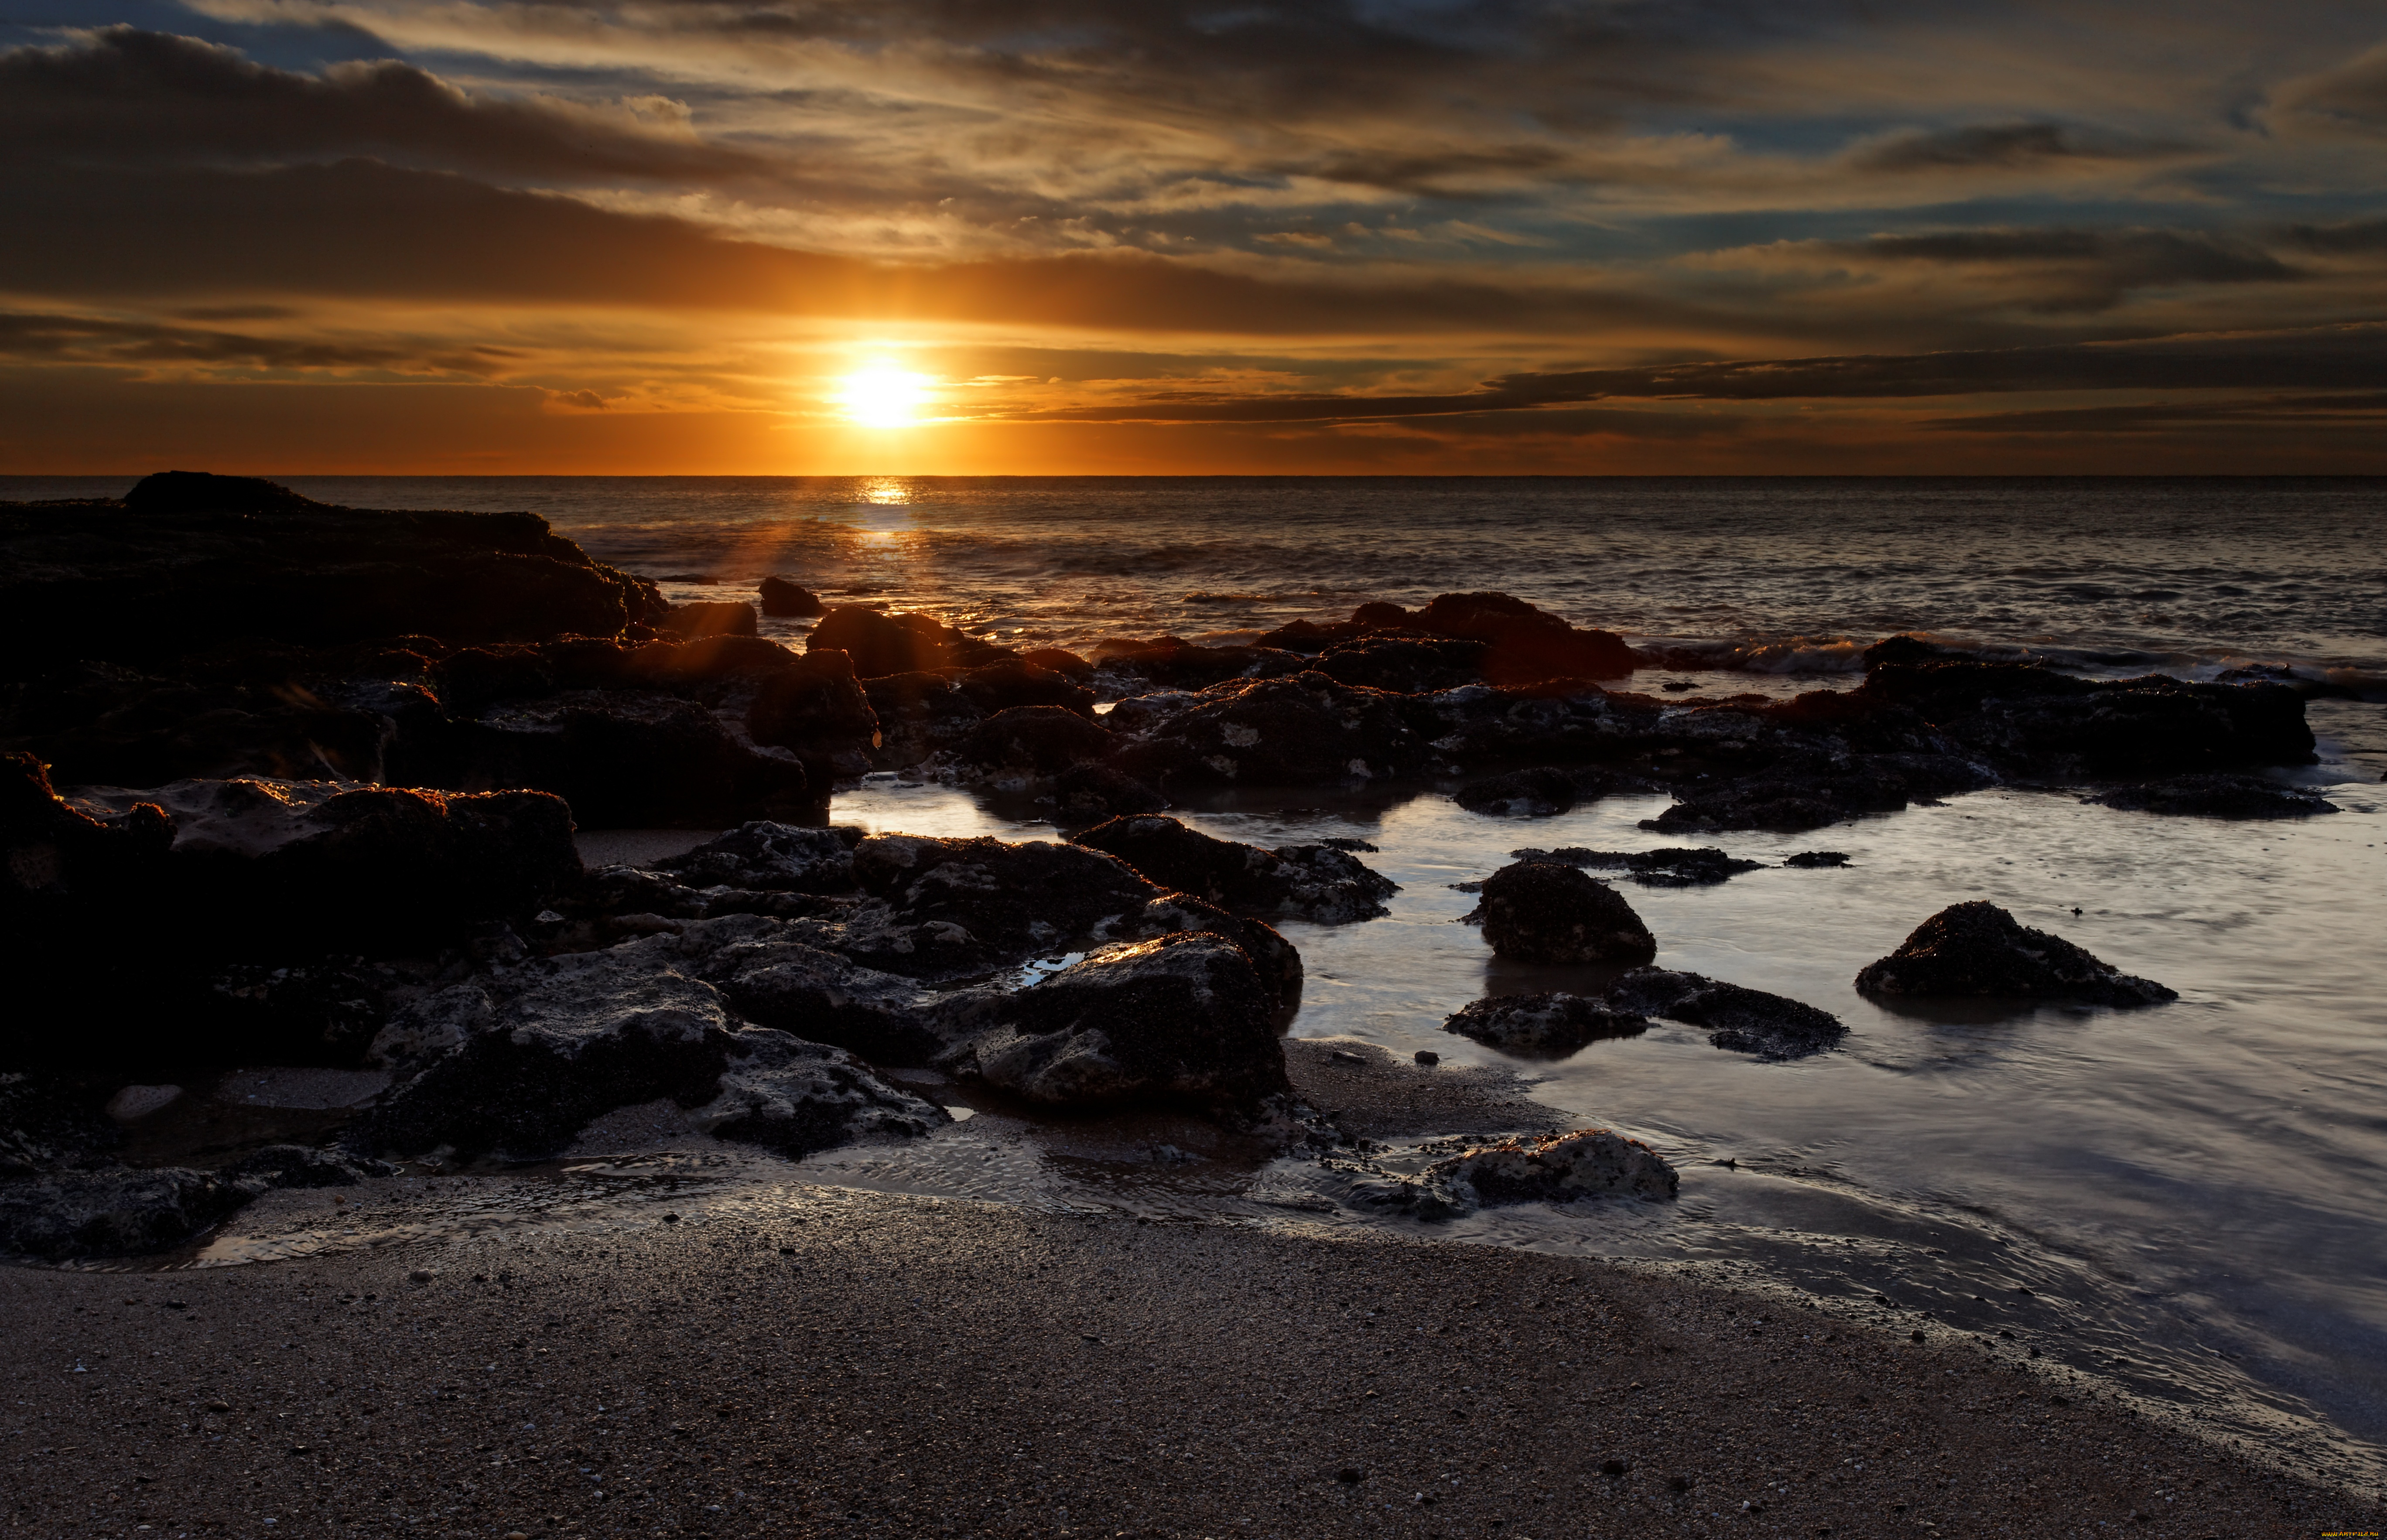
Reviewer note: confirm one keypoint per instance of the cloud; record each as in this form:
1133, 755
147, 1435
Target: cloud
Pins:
85, 339
1999, 146
2351, 98
2368, 411
146, 97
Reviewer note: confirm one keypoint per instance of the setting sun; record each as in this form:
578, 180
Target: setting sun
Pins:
884, 398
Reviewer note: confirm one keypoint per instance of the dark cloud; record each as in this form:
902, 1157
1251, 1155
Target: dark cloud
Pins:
126, 94
2068, 269
2007, 145
2351, 97
83, 339
2338, 240
2367, 411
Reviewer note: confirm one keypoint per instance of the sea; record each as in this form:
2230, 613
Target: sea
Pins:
2186, 1205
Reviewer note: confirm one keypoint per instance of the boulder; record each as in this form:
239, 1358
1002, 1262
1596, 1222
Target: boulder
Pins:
1551, 1025
1009, 683
101, 724
1060, 661
1405, 665
818, 712
797, 1097
784, 600
1519, 794
1312, 882
1305, 730
1537, 911
1028, 748
1669, 867
1744, 1021
2218, 796
1810, 790
1524, 644
122, 1211
1559, 1167
1180, 1020
1274, 960
768, 858
711, 618
1173, 663
1812, 859
1088, 793
1978, 949
47, 1123
958, 907
771, 977
920, 715
881, 644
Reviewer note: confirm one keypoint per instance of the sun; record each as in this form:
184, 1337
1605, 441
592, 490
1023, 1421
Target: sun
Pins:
884, 398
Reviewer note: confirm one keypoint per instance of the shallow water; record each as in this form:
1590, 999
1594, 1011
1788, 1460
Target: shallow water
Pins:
2189, 1191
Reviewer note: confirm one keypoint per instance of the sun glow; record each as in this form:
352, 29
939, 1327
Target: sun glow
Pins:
884, 398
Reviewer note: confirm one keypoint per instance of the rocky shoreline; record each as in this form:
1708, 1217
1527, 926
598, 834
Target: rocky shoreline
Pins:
288, 784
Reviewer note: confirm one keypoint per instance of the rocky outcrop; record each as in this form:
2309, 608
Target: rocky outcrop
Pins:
1089, 793
880, 643
1182, 1019
2218, 796
1543, 1026
1174, 663
121, 1211
1541, 793
1538, 912
1669, 867
1522, 644
818, 712
1030, 748
1303, 730
1559, 1167
1405, 665
1978, 949
1743, 1020
711, 618
958, 907
770, 858
784, 600
1311, 882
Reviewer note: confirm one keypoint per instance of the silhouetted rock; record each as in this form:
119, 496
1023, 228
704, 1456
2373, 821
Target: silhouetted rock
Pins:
1311, 882
1548, 1025
881, 644
1027, 748
1173, 663
1535, 912
920, 714
1671, 866
1817, 858
1524, 644
120, 1211
1809, 791
2218, 796
1978, 949
770, 977
1558, 1167
1088, 793
783, 601
818, 712
1305, 730
768, 857
711, 618
1060, 661
48, 1123
958, 907
1009, 683
1406, 665
1183, 1020
1519, 794
1744, 1021
1275, 960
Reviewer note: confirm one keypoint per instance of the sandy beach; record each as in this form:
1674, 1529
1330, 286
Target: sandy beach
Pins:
853, 1363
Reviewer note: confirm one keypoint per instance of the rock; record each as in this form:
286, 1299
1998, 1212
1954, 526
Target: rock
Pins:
520, 1061
768, 857
1535, 912
1305, 730
1009, 683
1978, 949
1817, 858
47, 1123
1559, 1167
798, 1097
1519, 794
711, 618
1427, 1057
958, 907
2218, 796
1314, 882
1524, 644
324, 1011
818, 712
1406, 665
920, 715
1088, 793
1173, 663
773, 979
189, 562
1743, 1020
1028, 748
782, 599
1669, 867
1806, 792
99, 724
881, 644
119, 1211
1548, 1025
1060, 661
1275, 960
1178, 1020
133, 1103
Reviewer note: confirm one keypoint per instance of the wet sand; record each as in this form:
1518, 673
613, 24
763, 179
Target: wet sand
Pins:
844, 1363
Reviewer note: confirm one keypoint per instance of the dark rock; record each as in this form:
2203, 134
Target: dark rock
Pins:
186, 565
63, 1214
1178, 1020
2218, 796
1519, 794
1406, 665
783, 600
326, 1011
1010, 683
1817, 858
1314, 882
1812, 791
472, 678
1978, 949
797, 1097
711, 618
1060, 661
47, 1123
1088, 793
768, 857
1274, 960
818, 712
1565, 723
1744, 1021
704, 661
1550, 1025
1427, 1056
1535, 912
1557, 1167
100, 724
1027, 748
920, 715
1525, 644
1173, 663
1305, 730
1307, 637
881, 644
772, 979
957, 907
1670, 866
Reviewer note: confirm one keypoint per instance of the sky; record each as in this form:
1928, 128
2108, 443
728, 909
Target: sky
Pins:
1155, 236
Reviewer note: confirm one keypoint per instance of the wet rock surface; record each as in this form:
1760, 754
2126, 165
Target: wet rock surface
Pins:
1519, 794
1539, 912
784, 599
112, 1210
1980, 949
1741, 1019
1559, 1167
1669, 867
2218, 796
1302, 730
1311, 882
1546, 1026
880, 643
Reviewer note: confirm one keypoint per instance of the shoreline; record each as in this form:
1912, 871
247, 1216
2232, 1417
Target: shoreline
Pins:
925, 1365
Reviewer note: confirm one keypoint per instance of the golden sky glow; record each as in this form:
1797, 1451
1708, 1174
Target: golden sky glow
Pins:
1082, 235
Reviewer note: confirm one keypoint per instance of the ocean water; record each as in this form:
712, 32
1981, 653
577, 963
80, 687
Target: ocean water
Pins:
2191, 1194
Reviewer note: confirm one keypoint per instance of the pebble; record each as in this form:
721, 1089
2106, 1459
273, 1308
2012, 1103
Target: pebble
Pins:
1428, 1056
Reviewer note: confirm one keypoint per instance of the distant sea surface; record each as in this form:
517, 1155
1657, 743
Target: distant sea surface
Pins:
2185, 1200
